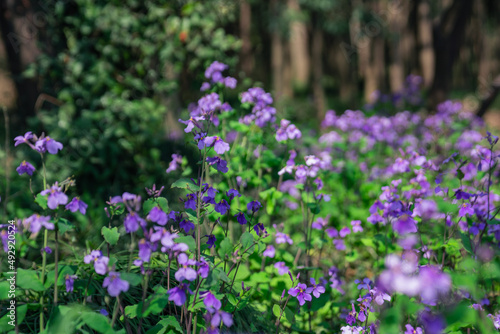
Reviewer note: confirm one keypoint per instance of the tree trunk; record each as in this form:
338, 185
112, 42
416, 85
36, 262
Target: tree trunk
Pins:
20, 34
277, 56
317, 61
246, 44
299, 47
448, 36
426, 53
396, 67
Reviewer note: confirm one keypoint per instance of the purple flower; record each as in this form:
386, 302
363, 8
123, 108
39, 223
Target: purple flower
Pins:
344, 231
332, 232
77, 204
211, 240
178, 294
260, 229
269, 252
282, 238
218, 317
319, 223
379, 296
287, 131
25, 167
230, 82
190, 202
352, 330
222, 207
186, 225
192, 122
209, 103
356, 226
302, 292
175, 163
218, 144
24, 139
405, 224
56, 196
211, 302
496, 319
185, 272
317, 290
351, 317
203, 268
103, 312
205, 86
411, 330
132, 222
254, 206
220, 164
232, 193
465, 209
101, 265
144, 250
48, 144
115, 284
70, 280
35, 223
94, 255
339, 244
213, 71
240, 217
157, 215
282, 268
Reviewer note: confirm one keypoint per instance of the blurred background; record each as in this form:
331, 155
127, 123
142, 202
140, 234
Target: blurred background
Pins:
110, 78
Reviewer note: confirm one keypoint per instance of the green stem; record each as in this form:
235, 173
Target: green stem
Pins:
56, 267
115, 311
44, 263
87, 289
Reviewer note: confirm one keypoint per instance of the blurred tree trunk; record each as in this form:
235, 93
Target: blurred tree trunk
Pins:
277, 55
426, 51
374, 70
19, 31
343, 66
246, 58
280, 58
317, 67
448, 35
396, 66
299, 47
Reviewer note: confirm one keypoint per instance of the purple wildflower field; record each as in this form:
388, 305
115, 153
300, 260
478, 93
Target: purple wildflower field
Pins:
370, 224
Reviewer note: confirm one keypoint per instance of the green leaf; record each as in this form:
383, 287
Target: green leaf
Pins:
133, 279
97, 322
169, 323
289, 315
64, 225
28, 280
111, 235
41, 200
232, 299
131, 311
314, 207
185, 183
163, 203
466, 242
148, 205
276, 310
246, 240
156, 304
188, 240
225, 248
